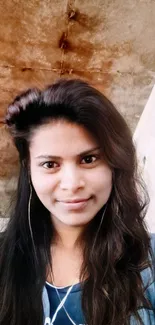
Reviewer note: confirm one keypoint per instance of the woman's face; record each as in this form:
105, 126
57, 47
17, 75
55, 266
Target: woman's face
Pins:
68, 172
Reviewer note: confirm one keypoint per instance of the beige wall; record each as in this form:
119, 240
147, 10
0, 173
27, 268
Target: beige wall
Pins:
109, 43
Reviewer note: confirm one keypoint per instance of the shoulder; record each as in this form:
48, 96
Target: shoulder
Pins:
46, 303
152, 241
148, 278
148, 275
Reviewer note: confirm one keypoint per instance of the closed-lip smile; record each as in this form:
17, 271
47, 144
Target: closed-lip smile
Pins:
76, 204
74, 201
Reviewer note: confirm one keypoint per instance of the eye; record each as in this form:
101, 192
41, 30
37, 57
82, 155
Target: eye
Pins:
50, 165
90, 159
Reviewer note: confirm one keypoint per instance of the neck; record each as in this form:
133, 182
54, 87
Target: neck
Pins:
67, 237
67, 250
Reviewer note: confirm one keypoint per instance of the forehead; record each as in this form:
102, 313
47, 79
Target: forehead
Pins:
61, 138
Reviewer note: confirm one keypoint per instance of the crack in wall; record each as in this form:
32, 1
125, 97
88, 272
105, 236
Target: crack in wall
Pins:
23, 69
58, 70
63, 42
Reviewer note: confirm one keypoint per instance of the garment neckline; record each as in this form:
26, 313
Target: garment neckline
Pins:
76, 287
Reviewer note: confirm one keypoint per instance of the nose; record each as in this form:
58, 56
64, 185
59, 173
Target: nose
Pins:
71, 179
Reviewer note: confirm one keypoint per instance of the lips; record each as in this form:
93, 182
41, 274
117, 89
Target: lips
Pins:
75, 201
76, 204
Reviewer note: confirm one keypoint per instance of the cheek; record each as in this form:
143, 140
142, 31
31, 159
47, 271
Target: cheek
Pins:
42, 184
103, 180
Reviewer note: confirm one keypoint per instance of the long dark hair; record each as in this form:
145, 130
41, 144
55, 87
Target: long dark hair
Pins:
113, 290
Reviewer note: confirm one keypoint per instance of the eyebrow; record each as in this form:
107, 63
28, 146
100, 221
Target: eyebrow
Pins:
79, 155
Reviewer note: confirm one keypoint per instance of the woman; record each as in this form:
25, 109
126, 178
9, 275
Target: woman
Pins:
76, 249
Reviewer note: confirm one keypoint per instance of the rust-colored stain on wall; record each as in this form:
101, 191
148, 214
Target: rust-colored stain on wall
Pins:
109, 44
83, 51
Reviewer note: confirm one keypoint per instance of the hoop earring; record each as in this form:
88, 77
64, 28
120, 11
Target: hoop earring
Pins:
29, 221
103, 214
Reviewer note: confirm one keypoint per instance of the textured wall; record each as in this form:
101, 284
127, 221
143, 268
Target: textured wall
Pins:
144, 138
109, 43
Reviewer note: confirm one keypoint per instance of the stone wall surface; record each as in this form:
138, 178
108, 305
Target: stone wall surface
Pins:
109, 43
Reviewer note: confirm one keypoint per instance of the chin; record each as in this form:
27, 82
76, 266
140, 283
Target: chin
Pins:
78, 223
